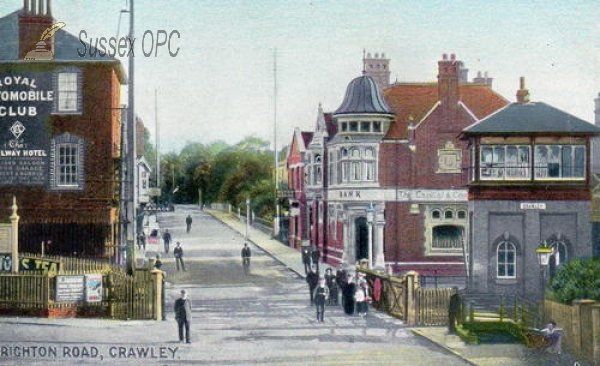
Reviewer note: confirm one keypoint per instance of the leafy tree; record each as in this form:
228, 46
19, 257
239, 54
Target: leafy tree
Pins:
578, 279
221, 173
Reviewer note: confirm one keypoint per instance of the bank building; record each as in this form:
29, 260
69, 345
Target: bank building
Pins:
390, 186
60, 136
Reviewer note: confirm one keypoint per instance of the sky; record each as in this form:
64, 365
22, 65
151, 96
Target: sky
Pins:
261, 67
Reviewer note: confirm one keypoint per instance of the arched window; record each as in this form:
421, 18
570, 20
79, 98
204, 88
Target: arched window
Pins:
506, 260
448, 214
435, 214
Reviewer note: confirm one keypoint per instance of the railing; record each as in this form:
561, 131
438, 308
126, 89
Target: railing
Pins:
24, 290
490, 307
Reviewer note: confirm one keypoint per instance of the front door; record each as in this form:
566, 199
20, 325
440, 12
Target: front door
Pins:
362, 238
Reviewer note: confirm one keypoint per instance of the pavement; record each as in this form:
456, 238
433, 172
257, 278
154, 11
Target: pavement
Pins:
494, 354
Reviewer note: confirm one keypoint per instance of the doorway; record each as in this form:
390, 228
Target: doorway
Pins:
362, 238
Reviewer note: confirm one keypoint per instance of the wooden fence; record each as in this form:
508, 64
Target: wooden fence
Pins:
24, 291
431, 305
133, 297
581, 325
123, 297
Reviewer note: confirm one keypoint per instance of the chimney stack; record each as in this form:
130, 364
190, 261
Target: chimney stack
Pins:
522, 93
448, 79
35, 18
378, 68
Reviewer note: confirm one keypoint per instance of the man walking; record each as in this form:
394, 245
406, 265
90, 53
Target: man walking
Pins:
246, 254
167, 240
321, 294
315, 256
312, 278
306, 259
183, 315
178, 253
188, 223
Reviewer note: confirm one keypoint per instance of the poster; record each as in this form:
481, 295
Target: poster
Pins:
93, 288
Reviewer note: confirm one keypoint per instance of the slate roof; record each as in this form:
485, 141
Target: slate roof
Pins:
412, 102
65, 45
363, 96
306, 137
533, 118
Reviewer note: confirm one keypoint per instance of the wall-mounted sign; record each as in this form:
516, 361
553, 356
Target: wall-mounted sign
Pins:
26, 103
28, 264
69, 288
532, 206
429, 195
5, 238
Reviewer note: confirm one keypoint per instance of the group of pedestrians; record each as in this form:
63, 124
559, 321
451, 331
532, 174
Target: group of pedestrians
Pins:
355, 293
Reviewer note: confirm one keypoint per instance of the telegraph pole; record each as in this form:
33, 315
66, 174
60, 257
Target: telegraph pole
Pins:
130, 225
277, 223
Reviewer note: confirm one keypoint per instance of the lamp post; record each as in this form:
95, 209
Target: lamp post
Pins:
543, 253
247, 217
370, 221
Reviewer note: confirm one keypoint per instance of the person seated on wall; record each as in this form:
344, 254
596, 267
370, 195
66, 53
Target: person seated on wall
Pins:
549, 338
553, 336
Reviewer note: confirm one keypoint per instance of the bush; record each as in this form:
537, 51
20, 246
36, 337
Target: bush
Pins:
578, 279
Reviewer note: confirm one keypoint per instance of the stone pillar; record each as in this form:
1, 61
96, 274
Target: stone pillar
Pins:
157, 282
347, 258
14, 237
378, 256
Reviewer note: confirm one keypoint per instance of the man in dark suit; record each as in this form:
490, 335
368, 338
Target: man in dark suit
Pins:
183, 315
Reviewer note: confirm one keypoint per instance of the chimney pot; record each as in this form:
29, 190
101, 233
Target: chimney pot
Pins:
444, 56
453, 57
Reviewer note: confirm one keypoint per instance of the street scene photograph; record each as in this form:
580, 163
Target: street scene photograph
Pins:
299, 183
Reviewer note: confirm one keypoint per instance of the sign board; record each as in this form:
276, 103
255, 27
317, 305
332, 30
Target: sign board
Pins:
5, 236
70, 288
532, 206
93, 288
26, 103
28, 264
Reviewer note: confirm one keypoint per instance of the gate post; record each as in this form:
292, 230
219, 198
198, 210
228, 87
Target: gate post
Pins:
157, 280
411, 284
14, 237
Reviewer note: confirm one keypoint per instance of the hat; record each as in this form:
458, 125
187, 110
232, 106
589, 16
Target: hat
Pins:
183, 291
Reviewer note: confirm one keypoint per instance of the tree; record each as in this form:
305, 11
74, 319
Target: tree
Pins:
577, 279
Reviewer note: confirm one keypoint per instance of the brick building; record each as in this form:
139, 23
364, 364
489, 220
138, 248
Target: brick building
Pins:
296, 168
423, 168
60, 136
386, 182
529, 183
